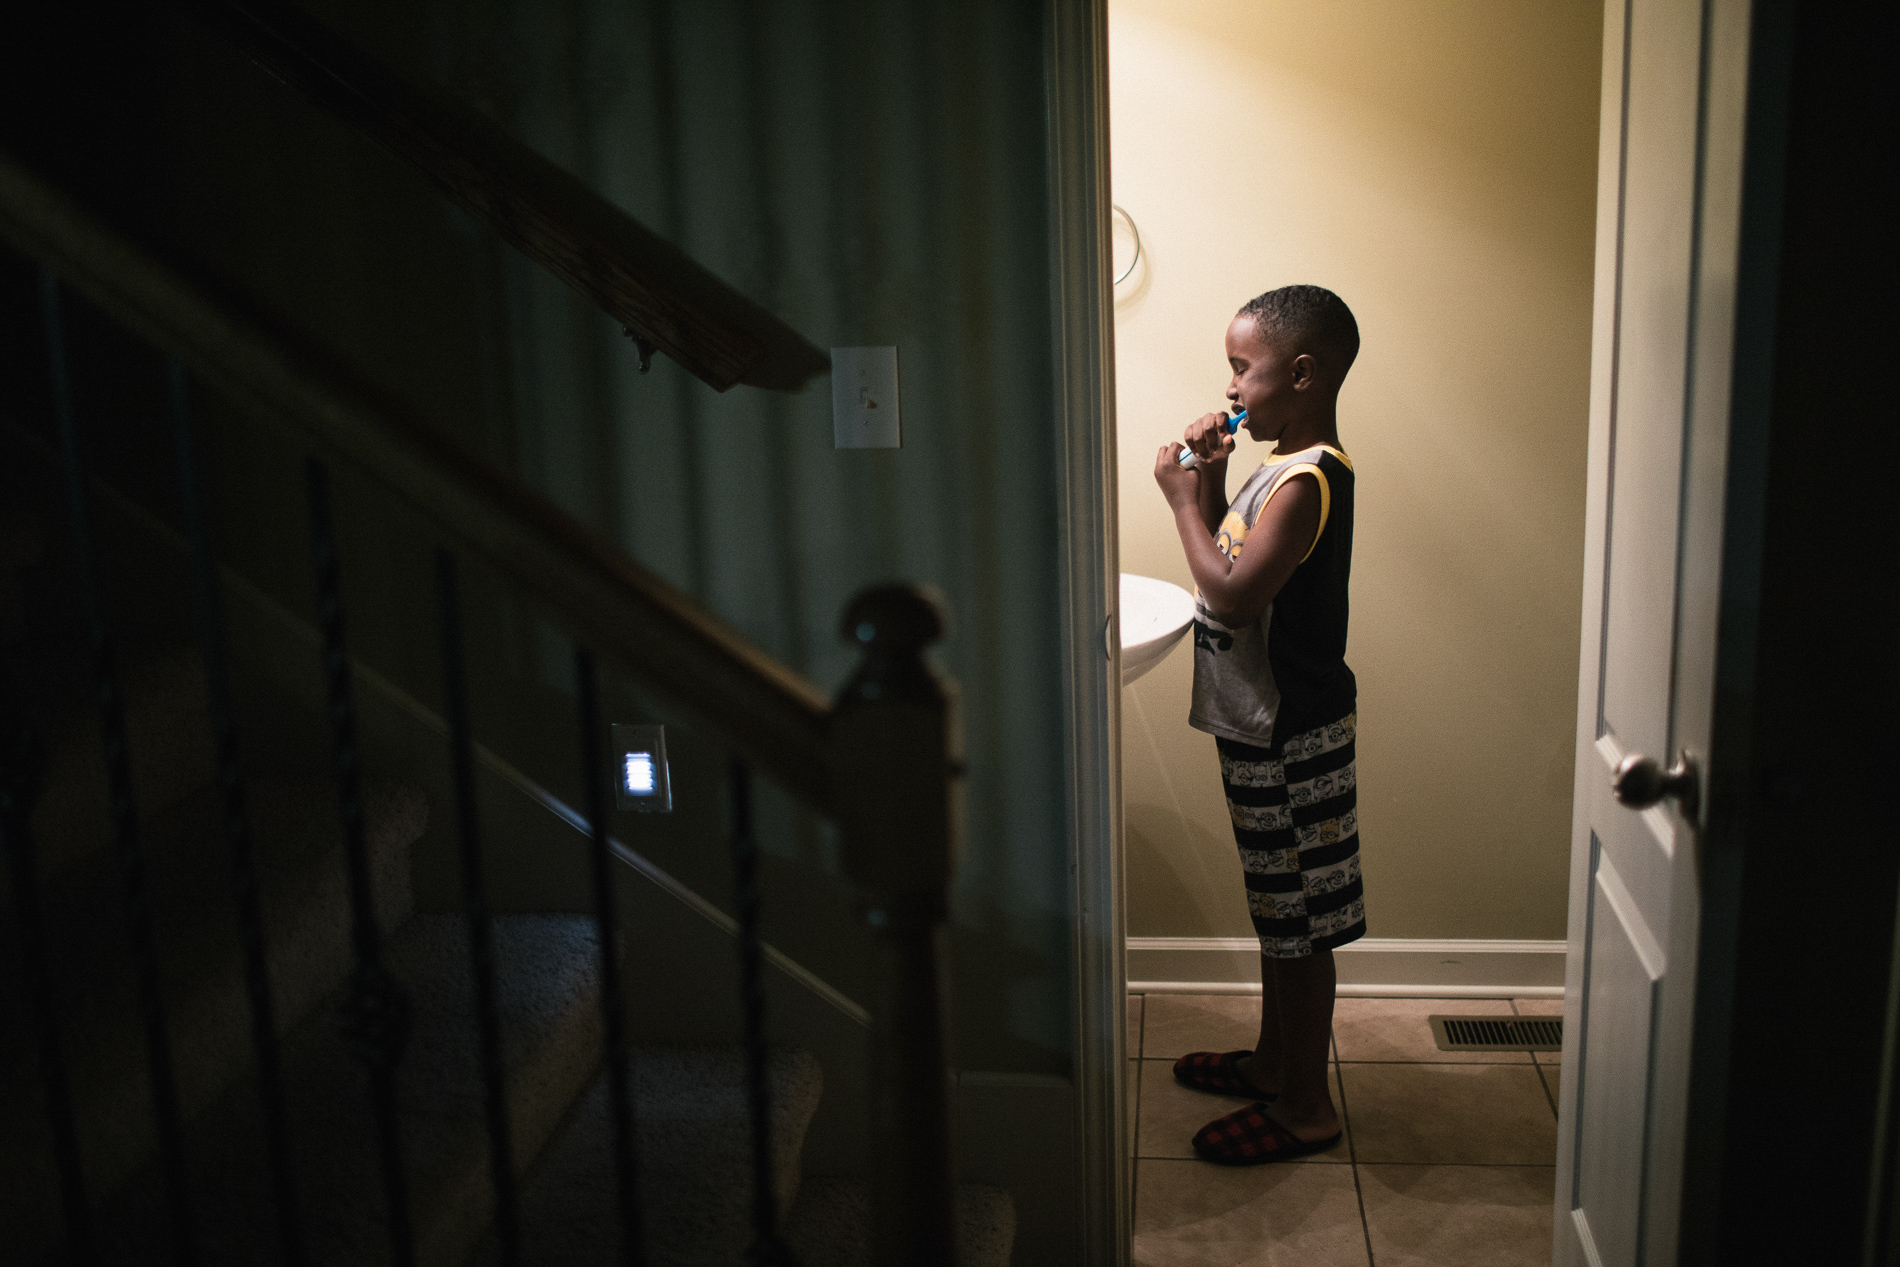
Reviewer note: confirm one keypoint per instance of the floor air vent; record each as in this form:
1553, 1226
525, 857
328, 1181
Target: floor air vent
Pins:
1498, 1033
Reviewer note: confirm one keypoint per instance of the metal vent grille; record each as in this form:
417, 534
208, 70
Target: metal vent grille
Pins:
1498, 1033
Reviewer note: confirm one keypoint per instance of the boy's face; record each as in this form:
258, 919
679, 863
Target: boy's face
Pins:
1267, 380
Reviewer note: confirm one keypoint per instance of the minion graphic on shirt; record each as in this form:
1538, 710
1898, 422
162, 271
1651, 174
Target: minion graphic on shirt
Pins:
1232, 535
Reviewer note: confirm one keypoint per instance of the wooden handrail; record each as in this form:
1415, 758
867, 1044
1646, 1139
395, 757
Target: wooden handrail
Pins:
660, 295
763, 709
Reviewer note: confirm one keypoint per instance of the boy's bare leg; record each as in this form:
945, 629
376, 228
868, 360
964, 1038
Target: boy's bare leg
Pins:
1265, 1069
1293, 1056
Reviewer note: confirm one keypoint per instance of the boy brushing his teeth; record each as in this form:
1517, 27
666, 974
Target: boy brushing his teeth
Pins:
1271, 685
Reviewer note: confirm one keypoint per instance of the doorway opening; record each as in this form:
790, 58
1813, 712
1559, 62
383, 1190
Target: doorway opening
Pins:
1436, 167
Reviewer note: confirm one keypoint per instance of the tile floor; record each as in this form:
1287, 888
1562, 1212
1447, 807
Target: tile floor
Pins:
1448, 1157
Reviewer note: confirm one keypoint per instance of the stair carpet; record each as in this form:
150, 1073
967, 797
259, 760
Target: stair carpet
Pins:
306, 912
690, 1112
548, 994
693, 1162
831, 1225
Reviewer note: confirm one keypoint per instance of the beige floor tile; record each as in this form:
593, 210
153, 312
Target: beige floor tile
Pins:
1133, 1098
1134, 1025
1554, 1079
1471, 1216
1398, 1029
1176, 1024
1483, 1114
1192, 1214
1170, 1114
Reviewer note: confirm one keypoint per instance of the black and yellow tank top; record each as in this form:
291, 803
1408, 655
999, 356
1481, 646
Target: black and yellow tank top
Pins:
1286, 673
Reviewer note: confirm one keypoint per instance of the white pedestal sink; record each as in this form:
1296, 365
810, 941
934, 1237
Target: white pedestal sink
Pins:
1154, 616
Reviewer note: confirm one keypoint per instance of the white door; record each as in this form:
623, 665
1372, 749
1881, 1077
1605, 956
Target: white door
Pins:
1668, 196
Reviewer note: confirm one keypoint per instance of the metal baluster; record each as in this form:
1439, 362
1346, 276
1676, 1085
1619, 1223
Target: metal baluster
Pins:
376, 1019
475, 898
22, 765
768, 1250
125, 814
613, 1003
237, 830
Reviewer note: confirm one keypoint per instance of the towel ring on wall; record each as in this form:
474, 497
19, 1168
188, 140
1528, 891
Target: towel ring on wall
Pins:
1137, 232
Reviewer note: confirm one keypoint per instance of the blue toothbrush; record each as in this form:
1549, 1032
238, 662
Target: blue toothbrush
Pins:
1189, 459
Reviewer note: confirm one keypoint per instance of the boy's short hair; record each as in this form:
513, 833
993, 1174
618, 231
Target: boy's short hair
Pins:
1307, 319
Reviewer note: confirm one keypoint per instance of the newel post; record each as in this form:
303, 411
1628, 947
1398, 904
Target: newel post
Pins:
896, 782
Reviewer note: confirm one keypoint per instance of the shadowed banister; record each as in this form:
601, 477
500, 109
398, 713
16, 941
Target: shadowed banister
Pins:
767, 712
884, 763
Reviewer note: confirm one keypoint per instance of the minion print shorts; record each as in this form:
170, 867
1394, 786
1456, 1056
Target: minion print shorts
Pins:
1296, 819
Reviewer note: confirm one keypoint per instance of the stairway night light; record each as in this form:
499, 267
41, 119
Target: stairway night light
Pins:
643, 782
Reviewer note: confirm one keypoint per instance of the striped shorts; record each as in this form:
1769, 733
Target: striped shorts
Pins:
1296, 819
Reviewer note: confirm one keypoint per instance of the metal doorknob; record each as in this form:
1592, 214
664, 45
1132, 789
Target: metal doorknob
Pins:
1641, 783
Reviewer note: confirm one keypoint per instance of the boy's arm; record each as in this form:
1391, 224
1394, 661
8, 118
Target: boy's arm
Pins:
1238, 592
1208, 437
1211, 497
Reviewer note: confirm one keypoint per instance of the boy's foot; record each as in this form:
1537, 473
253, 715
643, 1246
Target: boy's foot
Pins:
1219, 1073
1248, 1137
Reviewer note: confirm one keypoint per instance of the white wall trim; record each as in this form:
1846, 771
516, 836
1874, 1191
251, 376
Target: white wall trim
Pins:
1082, 295
1391, 967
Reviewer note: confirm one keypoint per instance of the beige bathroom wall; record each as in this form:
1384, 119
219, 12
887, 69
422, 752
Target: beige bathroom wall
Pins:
1435, 164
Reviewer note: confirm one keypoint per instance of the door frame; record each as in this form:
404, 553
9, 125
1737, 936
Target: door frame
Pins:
1804, 688
1075, 36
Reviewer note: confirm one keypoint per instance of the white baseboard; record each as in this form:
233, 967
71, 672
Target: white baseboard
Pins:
1391, 967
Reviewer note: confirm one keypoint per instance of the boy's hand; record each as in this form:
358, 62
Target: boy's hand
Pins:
1181, 487
1208, 437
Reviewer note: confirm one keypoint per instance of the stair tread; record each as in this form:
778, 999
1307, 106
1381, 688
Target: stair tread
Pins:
831, 1224
693, 1164
547, 986
303, 892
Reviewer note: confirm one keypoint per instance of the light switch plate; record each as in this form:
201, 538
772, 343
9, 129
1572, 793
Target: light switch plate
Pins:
864, 399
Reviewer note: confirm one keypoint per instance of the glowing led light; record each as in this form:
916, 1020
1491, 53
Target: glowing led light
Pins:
645, 786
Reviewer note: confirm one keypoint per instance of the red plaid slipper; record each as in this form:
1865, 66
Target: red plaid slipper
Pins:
1217, 1072
1248, 1137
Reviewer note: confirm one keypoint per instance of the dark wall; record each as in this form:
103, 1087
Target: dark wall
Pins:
1802, 853
874, 174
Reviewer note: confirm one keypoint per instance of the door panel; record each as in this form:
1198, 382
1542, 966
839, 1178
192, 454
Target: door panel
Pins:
1667, 210
1651, 371
1618, 1031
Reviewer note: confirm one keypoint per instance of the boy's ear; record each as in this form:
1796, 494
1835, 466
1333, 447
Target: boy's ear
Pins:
1305, 372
